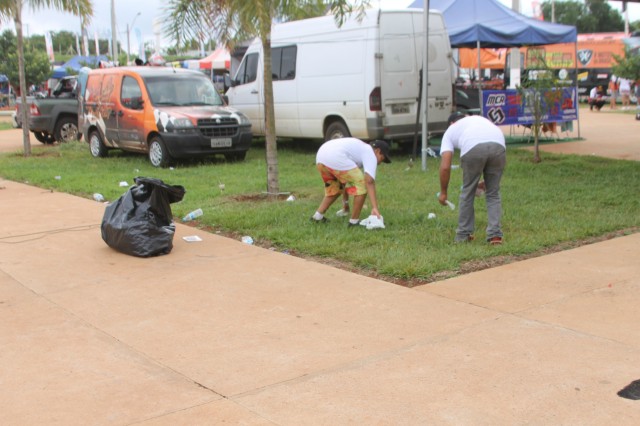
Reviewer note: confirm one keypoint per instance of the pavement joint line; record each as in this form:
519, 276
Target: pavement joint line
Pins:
41, 234
368, 359
143, 355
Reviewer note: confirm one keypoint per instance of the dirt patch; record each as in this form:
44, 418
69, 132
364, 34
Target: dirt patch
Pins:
261, 197
465, 268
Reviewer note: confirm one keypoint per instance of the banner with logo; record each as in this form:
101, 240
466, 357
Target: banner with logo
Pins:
511, 107
591, 54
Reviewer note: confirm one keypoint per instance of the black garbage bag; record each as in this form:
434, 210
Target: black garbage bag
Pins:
140, 222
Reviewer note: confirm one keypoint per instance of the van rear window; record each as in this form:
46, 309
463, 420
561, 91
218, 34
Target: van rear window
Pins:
182, 90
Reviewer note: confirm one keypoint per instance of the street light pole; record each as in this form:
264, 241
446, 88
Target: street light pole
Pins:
129, 35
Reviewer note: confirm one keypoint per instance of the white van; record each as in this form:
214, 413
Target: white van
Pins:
360, 80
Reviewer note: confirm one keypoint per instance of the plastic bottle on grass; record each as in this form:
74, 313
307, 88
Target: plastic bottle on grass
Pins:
194, 214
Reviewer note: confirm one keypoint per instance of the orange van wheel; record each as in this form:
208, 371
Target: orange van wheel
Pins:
158, 154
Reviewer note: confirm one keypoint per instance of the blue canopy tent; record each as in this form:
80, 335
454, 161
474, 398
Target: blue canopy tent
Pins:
488, 23
76, 63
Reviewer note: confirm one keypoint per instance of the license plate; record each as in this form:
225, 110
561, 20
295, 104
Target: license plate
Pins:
400, 109
221, 143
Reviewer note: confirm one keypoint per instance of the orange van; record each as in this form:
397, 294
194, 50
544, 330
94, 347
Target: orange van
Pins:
165, 113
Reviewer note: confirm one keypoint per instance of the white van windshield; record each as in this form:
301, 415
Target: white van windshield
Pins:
182, 90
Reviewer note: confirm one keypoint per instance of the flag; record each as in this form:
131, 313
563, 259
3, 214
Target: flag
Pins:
49, 46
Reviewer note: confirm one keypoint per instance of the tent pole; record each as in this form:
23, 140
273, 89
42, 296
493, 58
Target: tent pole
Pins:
479, 77
575, 62
425, 87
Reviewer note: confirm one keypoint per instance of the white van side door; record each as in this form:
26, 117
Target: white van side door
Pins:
246, 94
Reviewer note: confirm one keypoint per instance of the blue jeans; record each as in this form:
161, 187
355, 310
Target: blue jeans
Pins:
488, 160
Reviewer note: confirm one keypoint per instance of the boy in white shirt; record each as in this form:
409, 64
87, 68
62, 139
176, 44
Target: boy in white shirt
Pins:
349, 165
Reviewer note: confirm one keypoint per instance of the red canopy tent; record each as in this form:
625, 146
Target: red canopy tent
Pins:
220, 59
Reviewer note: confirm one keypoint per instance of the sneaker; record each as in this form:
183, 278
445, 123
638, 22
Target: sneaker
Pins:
351, 225
466, 240
323, 220
495, 241
343, 213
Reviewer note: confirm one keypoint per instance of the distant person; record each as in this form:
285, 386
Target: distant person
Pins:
596, 98
482, 155
350, 165
613, 91
625, 92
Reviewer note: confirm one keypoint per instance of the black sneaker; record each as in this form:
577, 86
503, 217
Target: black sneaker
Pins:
323, 220
350, 225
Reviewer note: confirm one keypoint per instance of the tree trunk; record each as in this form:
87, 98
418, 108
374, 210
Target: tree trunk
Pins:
24, 109
273, 185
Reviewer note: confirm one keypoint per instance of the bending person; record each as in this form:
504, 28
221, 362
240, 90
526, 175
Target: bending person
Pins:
482, 154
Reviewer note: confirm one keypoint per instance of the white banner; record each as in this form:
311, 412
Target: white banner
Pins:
49, 46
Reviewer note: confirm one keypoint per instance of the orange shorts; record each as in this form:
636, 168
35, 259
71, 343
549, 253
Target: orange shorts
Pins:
337, 181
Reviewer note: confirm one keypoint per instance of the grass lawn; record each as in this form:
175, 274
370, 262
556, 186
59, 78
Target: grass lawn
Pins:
559, 203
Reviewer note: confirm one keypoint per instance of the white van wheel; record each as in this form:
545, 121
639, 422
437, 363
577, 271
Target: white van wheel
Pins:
336, 130
158, 154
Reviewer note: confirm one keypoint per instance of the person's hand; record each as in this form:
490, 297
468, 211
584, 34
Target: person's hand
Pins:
376, 213
442, 198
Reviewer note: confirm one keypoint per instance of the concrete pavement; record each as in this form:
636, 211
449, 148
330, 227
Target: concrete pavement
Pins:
219, 332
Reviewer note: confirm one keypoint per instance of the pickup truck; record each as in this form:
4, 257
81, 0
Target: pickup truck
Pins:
55, 118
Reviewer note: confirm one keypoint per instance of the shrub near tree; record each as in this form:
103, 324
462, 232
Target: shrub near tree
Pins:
539, 93
629, 66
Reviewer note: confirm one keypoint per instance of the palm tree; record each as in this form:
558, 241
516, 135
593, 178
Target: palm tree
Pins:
238, 20
12, 10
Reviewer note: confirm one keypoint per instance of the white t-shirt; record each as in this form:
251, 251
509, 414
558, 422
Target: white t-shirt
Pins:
594, 93
468, 132
625, 85
346, 154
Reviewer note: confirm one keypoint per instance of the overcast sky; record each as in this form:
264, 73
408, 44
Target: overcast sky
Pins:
152, 10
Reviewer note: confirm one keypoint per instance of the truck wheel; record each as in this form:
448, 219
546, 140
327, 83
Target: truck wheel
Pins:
66, 129
97, 147
158, 154
44, 137
235, 156
336, 130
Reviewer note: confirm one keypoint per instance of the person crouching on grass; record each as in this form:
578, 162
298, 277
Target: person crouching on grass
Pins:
482, 153
349, 165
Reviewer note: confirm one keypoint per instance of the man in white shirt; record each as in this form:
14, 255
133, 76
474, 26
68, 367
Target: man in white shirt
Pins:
482, 153
349, 165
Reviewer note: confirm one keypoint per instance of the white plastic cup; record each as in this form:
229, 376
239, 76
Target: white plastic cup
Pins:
98, 197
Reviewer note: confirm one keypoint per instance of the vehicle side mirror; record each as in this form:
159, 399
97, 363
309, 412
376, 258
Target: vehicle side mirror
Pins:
225, 99
228, 82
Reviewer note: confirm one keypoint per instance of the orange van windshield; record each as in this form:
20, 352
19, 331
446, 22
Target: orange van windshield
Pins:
182, 90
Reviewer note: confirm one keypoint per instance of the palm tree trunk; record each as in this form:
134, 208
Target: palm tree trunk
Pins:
24, 109
273, 185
